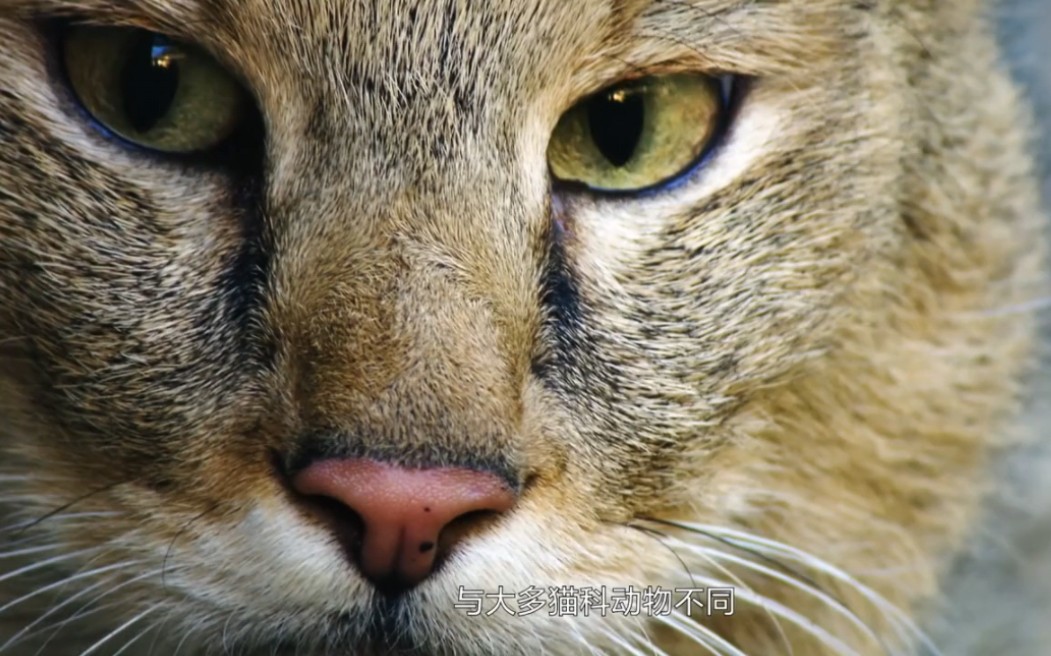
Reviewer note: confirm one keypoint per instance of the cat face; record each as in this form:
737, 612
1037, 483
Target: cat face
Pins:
386, 243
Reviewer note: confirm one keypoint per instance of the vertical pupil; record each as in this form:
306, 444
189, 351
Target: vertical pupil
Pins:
149, 81
616, 121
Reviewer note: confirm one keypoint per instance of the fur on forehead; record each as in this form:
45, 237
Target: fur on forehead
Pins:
736, 35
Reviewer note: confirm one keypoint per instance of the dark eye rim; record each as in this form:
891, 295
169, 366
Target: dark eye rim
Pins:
733, 89
239, 152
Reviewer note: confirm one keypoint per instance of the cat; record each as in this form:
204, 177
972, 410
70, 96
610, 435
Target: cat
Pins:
509, 327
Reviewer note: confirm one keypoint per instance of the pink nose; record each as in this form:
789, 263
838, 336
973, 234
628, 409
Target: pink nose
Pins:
403, 511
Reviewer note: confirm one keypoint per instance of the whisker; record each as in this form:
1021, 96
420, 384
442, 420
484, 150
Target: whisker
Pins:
738, 582
585, 643
64, 507
630, 648
786, 613
65, 581
21, 527
225, 632
817, 593
901, 622
55, 629
15, 544
171, 545
117, 631
787, 551
642, 633
700, 634
45, 563
182, 642
29, 551
86, 610
27, 631
138, 637
157, 636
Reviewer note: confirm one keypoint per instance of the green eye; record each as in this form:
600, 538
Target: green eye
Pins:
637, 134
152, 91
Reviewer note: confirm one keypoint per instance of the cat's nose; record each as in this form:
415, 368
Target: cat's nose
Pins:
402, 511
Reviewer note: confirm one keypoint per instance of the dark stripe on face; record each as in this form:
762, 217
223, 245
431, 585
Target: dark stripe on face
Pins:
564, 312
243, 285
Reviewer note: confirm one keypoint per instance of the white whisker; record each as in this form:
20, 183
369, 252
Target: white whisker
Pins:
158, 635
45, 563
700, 634
738, 582
630, 648
117, 631
24, 540
59, 583
797, 555
182, 642
582, 640
27, 631
827, 599
86, 610
65, 581
587, 645
786, 613
82, 612
60, 517
138, 637
29, 551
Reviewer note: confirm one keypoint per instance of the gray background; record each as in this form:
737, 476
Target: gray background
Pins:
1025, 31
1000, 592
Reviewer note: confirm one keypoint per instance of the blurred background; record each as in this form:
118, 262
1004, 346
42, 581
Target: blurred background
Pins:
1000, 592
1025, 30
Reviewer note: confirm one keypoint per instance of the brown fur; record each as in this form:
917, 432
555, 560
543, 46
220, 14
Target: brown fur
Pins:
803, 341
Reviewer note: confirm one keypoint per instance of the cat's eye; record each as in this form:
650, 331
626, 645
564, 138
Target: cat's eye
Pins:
152, 91
638, 134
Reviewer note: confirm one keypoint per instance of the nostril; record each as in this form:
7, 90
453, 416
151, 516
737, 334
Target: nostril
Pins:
473, 517
345, 524
461, 527
398, 523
